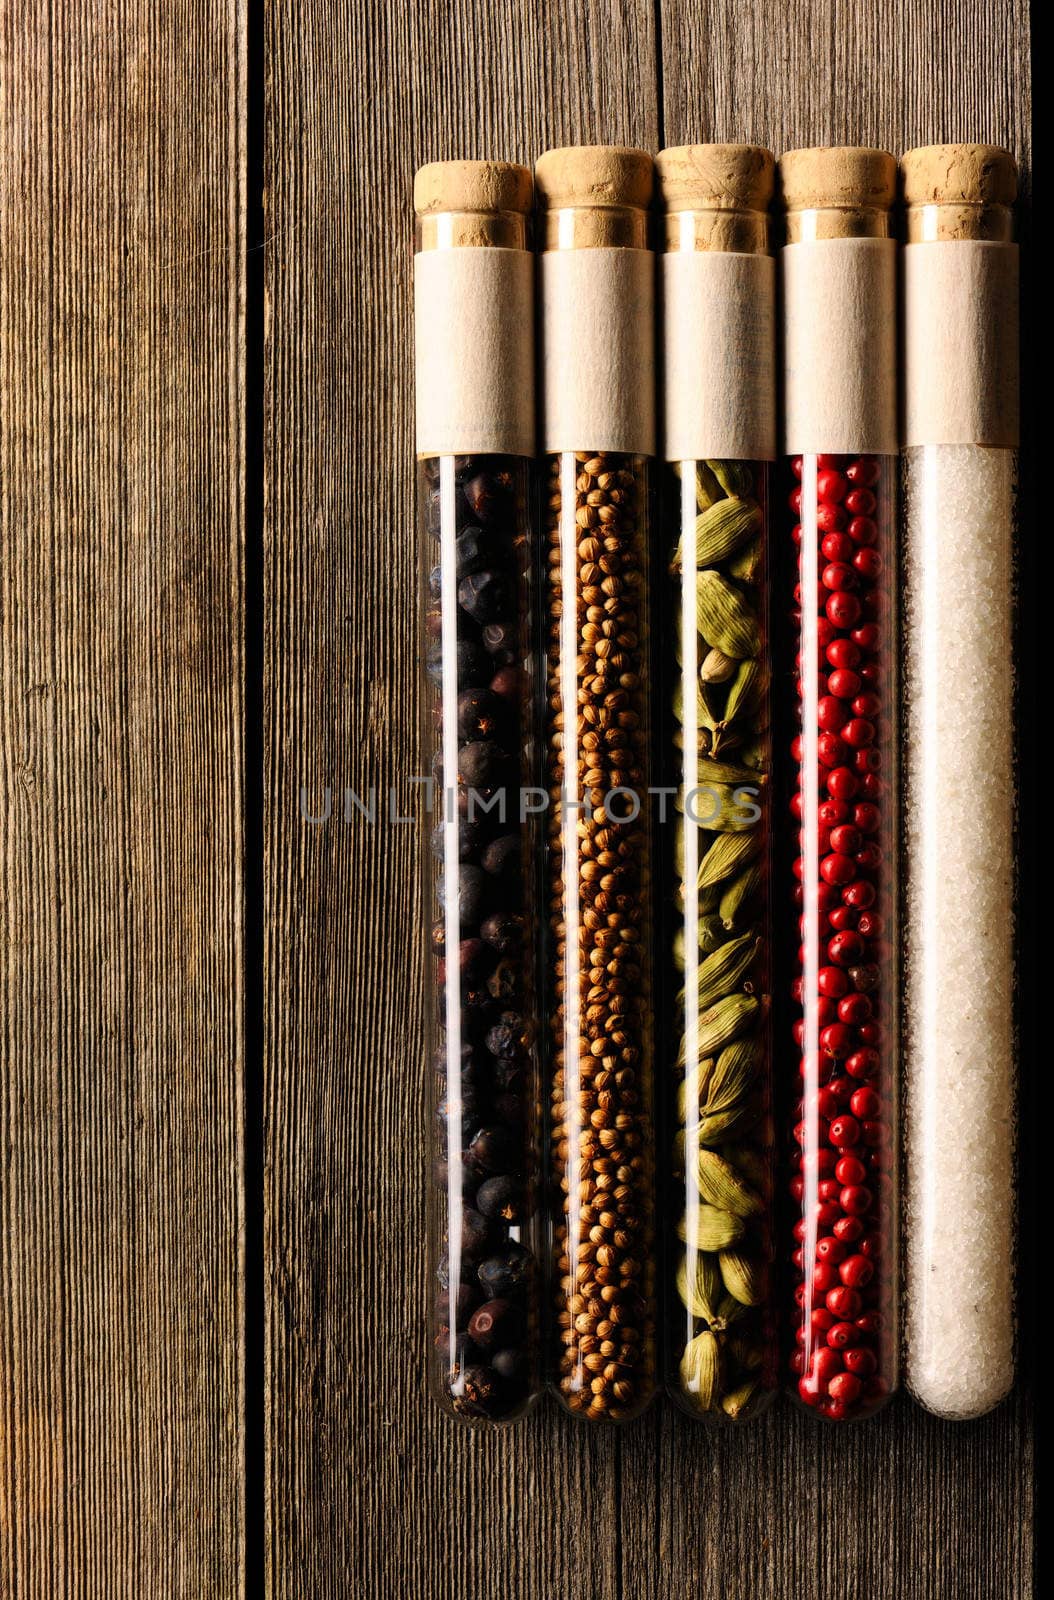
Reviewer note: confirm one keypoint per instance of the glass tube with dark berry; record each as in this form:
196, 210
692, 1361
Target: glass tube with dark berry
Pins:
839, 271
719, 365
473, 284
597, 281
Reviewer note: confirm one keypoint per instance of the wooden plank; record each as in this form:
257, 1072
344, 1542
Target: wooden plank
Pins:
904, 1506
370, 1490
122, 258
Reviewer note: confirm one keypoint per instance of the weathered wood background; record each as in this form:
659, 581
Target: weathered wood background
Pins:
211, 1140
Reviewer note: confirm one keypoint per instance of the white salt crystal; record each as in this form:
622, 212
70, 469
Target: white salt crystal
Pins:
959, 975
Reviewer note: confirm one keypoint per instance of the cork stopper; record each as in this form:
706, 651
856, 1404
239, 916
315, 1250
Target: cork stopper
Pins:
959, 191
595, 196
716, 196
465, 203
842, 192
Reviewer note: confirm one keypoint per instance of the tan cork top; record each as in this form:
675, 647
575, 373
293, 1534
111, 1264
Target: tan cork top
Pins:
694, 177
716, 196
595, 175
959, 191
851, 188
466, 186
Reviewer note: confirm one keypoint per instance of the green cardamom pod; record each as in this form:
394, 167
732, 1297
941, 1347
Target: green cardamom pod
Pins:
707, 488
724, 970
746, 691
733, 1076
709, 771
722, 808
724, 617
700, 1370
722, 528
715, 1127
743, 1277
703, 1292
719, 1024
736, 1403
720, 1185
739, 893
713, 1229
755, 754
747, 565
735, 477
716, 668
729, 854
748, 1158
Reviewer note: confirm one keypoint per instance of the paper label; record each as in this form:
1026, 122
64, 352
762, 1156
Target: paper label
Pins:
961, 343
474, 348
598, 355
719, 356
839, 346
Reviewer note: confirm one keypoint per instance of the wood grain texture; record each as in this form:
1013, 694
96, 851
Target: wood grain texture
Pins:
370, 1492
121, 507
906, 1506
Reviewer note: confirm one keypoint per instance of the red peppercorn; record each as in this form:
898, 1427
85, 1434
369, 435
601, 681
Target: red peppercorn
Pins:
842, 784
862, 530
843, 1302
856, 1272
843, 654
855, 1199
845, 839
859, 894
850, 1170
827, 1106
866, 817
861, 502
821, 1319
830, 750
831, 1249
859, 1360
832, 812
830, 713
870, 1323
843, 609
843, 917
845, 949
830, 519
853, 1010
848, 1229
837, 869
841, 1335
858, 732
838, 547
823, 1277
864, 1104
862, 1064
868, 562
836, 1040
867, 636
845, 1388
863, 471
867, 760
845, 1131
794, 501
844, 685
825, 1161
866, 705
831, 486
839, 575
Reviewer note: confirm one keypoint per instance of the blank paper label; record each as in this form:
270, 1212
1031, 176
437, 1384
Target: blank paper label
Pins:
961, 343
720, 356
839, 346
474, 333
598, 360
